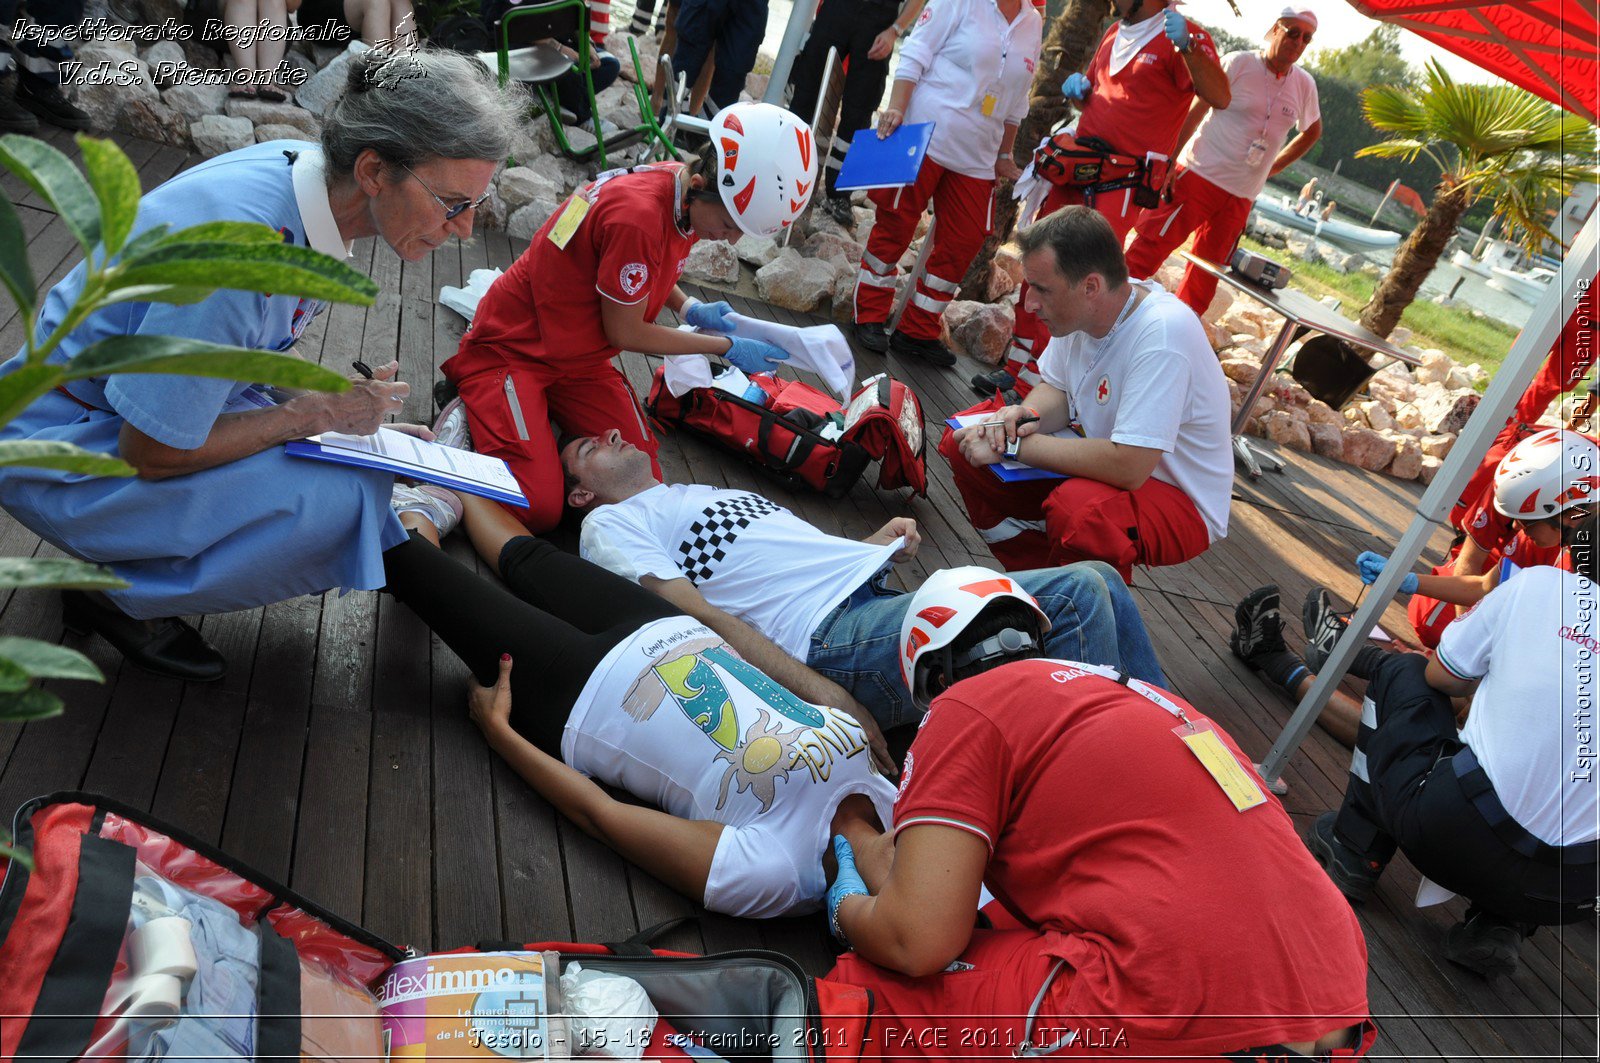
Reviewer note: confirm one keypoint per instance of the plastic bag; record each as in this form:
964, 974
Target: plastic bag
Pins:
607, 1014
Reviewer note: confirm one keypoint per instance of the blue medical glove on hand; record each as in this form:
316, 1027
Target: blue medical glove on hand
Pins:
1176, 29
708, 316
1076, 87
847, 883
755, 356
1369, 564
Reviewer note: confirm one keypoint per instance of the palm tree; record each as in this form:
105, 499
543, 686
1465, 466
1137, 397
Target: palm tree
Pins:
1489, 141
1068, 45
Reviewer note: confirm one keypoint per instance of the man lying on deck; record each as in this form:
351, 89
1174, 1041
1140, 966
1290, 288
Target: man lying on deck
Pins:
587, 676
784, 592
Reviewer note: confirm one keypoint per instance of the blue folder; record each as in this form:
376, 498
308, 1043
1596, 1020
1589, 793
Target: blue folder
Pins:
888, 163
1012, 471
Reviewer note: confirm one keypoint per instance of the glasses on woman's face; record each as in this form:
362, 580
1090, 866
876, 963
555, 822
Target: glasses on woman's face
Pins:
1295, 33
451, 210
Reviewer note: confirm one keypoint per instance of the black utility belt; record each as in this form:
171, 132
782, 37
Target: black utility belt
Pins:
1479, 790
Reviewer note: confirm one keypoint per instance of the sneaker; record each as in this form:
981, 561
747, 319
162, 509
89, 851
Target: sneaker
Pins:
14, 118
986, 384
441, 506
838, 208
1485, 943
1324, 624
931, 351
1355, 875
1258, 625
46, 101
872, 336
451, 430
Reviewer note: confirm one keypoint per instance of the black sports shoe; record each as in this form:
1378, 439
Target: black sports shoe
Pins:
1354, 874
838, 208
14, 118
1324, 624
444, 392
986, 384
1258, 625
872, 335
167, 646
1485, 943
931, 351
46, 101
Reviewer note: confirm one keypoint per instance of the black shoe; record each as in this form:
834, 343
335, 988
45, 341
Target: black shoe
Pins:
46, 101
838, 208
986, 384
14, 118
1258, 625
872, 336
1485, 943
444, 392
1324, 624
931, 351
168, 646
1354, 874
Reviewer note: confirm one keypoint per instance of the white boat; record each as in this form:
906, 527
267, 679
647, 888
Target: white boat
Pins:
1465, 261
1528, 286
1346, 234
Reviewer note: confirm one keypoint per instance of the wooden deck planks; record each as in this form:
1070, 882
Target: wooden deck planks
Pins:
337, 756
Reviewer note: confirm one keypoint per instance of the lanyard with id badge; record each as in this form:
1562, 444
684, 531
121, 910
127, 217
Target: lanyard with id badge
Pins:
990, 99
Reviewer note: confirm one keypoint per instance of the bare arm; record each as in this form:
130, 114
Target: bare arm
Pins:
358, 411
921, 919
1210, 82
1298, 146
898, 527
1459, 590
625, 327
677, 851
762, 652
1445, 681
1472, 559
1191, 121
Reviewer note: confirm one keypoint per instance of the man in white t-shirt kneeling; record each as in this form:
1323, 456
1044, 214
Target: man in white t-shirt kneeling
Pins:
1133, 411
809, 608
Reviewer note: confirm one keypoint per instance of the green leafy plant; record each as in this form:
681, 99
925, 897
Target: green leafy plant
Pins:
99, 207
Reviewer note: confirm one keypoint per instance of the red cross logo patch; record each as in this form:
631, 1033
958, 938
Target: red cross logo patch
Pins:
632, 277
1102, 391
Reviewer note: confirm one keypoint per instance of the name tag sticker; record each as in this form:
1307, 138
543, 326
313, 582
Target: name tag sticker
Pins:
571, 216
1208, 749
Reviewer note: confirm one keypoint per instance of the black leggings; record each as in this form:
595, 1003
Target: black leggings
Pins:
558, 620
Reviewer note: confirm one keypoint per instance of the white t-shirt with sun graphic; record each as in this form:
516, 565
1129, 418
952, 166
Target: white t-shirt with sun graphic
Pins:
674, 716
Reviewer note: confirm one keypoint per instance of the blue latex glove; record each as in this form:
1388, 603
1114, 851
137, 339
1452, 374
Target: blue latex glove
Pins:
755, 356
1176, 29
847, 883
1369, 565
1076, 87
707, 316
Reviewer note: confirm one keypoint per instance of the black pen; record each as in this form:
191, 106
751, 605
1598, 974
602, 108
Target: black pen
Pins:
363, 368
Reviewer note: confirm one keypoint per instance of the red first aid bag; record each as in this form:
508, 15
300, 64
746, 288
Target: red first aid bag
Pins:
1095, 166
127, 935
802, 436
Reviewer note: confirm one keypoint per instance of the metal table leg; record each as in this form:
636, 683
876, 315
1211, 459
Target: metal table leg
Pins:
1242, 449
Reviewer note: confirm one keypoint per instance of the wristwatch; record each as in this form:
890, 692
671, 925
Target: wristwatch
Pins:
1013, 445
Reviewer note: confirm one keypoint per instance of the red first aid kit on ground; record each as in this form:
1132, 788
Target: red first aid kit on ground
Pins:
802, 435
130, 939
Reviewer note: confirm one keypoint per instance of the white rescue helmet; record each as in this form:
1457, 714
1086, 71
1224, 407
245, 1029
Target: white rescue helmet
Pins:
766, 165
1546, 475
942, 608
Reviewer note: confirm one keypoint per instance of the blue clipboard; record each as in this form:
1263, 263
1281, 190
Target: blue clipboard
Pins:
888, 163
1011, 471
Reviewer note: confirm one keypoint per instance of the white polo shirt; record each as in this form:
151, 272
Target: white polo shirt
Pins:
960, 52
1264, 106
1154, 382
1532, 644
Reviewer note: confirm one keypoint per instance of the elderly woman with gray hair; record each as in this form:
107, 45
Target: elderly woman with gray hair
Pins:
219, 517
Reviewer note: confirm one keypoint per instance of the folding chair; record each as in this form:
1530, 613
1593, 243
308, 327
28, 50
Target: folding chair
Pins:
519, 57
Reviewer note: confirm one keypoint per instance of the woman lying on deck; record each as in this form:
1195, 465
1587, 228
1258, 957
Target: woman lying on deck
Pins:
611, 683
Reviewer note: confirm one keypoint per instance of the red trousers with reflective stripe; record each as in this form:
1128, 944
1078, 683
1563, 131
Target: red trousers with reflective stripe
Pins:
964, 210
1044, 523
510, 410
1028, 337
1214, 216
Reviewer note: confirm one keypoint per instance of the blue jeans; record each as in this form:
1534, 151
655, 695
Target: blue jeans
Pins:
1093, 619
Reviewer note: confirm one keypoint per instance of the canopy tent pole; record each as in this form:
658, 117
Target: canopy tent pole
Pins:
1577, 272
794, 35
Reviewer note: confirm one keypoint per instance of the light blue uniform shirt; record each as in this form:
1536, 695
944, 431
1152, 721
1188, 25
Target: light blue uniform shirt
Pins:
258, 530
